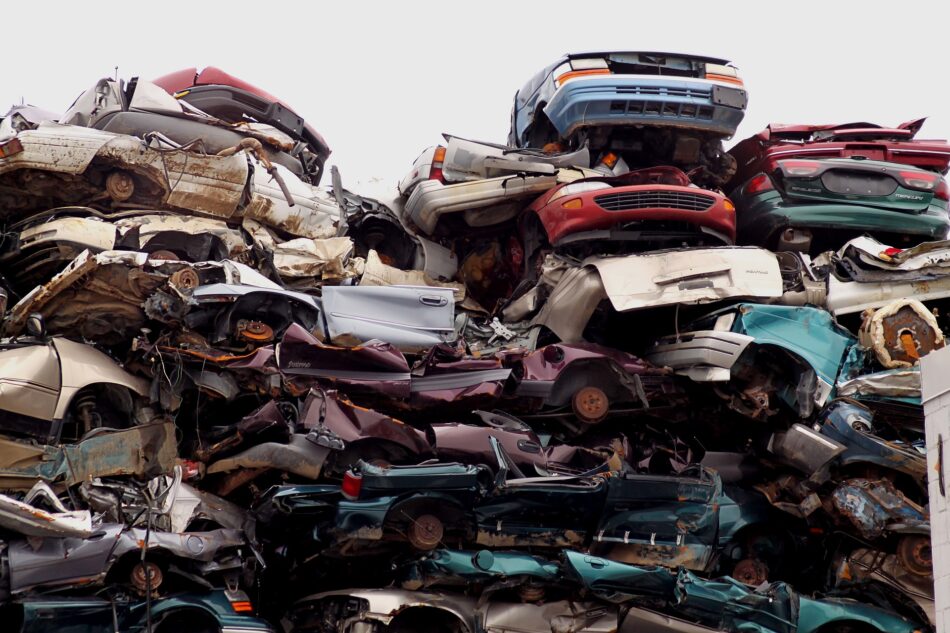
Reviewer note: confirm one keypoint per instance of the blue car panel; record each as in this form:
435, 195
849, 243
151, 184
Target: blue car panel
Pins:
630, 100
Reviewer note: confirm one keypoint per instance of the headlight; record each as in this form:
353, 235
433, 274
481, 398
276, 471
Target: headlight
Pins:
578, 187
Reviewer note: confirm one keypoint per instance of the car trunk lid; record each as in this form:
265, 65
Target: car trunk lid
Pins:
857, 182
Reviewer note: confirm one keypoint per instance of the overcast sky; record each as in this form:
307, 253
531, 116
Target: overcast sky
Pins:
382, 81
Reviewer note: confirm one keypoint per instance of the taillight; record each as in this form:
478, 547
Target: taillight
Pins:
11, 147
758, 184
438, 158
942, 192
352, 482
242, 606
923, 180
240, 603
800, 167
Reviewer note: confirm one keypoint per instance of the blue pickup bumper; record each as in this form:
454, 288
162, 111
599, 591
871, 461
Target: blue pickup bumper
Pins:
616, 100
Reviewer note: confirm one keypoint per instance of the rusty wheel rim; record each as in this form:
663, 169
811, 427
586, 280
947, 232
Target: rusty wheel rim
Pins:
154, 577
425, 532
590, 404
751, 572
915, 555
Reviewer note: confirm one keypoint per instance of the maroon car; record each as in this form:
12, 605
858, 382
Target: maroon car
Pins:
757, 154
656, 207
228, 98
583, 381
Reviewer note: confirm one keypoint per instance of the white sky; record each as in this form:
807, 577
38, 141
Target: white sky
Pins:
382, 81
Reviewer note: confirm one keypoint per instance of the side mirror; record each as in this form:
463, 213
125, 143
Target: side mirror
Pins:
36, 326
483, 560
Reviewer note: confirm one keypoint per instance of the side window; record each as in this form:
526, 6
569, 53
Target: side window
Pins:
513, 130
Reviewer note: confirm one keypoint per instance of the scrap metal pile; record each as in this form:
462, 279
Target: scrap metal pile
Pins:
608, 376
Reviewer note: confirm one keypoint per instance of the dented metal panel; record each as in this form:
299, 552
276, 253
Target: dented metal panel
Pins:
635, 282
142, 452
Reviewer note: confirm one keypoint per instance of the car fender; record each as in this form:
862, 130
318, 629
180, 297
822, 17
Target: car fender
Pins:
82, 365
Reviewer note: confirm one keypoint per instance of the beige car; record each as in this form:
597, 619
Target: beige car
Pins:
54, 389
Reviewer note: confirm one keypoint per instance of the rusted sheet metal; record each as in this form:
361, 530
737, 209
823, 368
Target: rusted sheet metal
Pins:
554, 538
693, 556
142, 452
98, 296
332, 418
149, 226
874, 507
314, 214
182, 179
299, 456
901, 332
322, 259
378, 273
863, 565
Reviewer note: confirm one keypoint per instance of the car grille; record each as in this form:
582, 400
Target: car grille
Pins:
632, 200
664, 91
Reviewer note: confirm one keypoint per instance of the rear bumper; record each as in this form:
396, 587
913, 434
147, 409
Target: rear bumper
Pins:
482, 202
655, 204
644, 100
764, 217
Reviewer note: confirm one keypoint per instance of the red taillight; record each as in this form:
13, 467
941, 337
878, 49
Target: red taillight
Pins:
942, 192
242, 606
190, 469
438, 158
11, 147
800, 167
920, 180
352, 482
758, 183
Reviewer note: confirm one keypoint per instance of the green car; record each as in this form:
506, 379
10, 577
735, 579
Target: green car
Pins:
817, 205
722, 604
218, 611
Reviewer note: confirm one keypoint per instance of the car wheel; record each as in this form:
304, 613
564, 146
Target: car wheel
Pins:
426, 532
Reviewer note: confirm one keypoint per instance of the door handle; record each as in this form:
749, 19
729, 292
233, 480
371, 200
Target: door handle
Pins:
433, 300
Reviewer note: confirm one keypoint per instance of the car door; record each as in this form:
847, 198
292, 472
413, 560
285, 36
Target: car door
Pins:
30, 384
537, 511
412, 318
67, 615
660, 520
541, 511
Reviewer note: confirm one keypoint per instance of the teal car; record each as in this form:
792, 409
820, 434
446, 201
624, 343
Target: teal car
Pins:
817, 205
804, 350
695, 605
218, 611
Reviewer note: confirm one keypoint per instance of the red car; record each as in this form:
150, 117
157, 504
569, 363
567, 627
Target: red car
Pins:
229, 98
656, 207
757, 154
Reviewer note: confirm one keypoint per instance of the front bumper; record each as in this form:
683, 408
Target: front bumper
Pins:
638, 203
645, 100
703, 356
